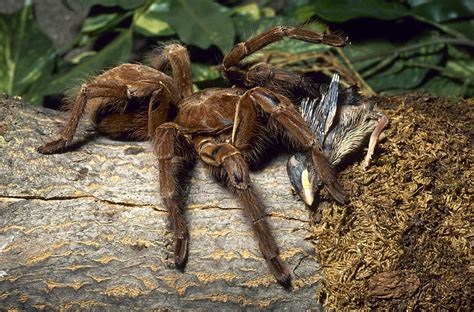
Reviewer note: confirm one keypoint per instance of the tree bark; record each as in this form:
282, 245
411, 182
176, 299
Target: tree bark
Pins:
87, 229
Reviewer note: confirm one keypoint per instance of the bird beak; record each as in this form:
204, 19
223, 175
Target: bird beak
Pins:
301, 178
307, 191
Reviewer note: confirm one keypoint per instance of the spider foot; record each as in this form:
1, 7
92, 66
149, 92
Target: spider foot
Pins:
279, 270
53, 147
181, 253
337, 192
327, 174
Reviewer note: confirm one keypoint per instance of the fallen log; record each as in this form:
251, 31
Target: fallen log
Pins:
87, 229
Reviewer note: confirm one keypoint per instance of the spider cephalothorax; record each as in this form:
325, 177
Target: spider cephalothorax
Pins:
226, 128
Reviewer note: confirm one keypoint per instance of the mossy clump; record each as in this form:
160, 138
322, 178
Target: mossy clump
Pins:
404, 240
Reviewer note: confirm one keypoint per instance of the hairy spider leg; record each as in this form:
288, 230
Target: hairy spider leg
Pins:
242, 50
141, 125
228, 165
178, 58
117, 90
161, 99
288, 121
86, 93
171, 153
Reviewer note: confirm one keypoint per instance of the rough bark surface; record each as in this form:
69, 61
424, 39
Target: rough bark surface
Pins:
87, 229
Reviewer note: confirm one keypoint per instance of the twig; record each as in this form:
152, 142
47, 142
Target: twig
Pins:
396, 52
366, 87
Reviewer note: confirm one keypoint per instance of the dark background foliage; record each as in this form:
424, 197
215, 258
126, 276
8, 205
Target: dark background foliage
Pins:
396, 46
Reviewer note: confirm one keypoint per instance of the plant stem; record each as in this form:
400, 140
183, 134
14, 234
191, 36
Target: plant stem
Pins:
368, 89
442, 70
465, 42
440, 27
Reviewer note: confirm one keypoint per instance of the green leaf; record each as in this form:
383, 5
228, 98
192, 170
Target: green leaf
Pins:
443, 86
396, 67
459, 53
203, 72
305, 12
26, 54
268, 12
404, 75
414, 3
98, 22
403, 68
251, 10
82, 56
344, 10
442, 10
124, 4
366, 54
464, 27
114, 53
202, 23
460, 64
464, 69
151, 21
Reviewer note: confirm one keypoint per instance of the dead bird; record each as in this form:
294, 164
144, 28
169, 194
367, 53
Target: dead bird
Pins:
342, 122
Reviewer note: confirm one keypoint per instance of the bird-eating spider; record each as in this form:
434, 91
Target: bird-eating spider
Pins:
226, 128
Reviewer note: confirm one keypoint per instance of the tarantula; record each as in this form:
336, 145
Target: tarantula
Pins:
227, 128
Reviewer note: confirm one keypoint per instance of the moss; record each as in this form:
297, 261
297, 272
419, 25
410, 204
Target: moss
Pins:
409, 212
